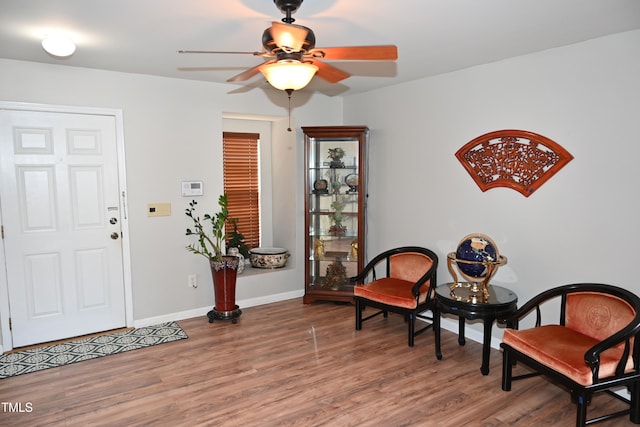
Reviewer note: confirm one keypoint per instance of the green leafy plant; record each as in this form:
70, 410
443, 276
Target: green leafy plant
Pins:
209, 230
236, 240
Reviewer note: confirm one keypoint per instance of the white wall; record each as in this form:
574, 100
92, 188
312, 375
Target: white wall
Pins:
581, 225
173, 132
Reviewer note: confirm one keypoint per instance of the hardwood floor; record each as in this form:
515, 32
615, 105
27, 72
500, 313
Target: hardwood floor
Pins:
290, 364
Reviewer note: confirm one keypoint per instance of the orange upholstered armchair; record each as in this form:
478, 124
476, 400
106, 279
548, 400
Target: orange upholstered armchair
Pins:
593, 348
407, 286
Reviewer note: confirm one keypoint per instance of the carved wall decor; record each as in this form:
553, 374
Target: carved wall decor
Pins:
516, 159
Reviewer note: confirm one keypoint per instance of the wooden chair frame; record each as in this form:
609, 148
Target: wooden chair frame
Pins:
410, 314
582, 394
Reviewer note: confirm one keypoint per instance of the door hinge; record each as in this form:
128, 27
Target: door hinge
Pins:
10, 324
2, 229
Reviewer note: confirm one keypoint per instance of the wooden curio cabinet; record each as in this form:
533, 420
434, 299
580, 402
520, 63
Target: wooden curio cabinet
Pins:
335, 203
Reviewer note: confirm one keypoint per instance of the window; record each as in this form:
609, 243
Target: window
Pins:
242, 183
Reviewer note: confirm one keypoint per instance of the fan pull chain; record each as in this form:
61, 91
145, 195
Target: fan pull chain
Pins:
289, 92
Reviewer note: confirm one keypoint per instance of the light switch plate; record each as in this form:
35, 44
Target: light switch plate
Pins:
159, 209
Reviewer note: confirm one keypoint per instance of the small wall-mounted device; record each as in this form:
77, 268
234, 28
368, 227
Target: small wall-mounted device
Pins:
192, 188
159, 209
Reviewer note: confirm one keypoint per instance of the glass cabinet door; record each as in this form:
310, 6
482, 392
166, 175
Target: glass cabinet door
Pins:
335, 210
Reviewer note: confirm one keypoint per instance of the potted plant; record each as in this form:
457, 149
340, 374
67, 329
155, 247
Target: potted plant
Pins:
237, 246
211, 234
236, 240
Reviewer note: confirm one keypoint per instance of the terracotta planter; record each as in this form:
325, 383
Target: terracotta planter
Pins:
224, 286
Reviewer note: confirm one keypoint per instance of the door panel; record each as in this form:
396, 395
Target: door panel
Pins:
36, 197
42, 285
59, 187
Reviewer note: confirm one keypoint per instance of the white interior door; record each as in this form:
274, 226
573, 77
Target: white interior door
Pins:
61, 222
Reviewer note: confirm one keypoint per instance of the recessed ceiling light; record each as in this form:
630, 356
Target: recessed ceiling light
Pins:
59, 45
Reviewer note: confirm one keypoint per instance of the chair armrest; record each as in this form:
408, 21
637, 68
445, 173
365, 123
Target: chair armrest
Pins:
592, 356
370, 266
384, 257
359, 278
364, 273
429, 275
533, 304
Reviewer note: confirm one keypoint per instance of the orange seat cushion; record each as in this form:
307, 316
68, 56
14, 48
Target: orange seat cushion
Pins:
563, 349
391, 291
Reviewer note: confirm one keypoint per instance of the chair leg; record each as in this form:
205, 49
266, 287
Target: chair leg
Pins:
634, 390
359, 308
507, 370
412, 327
436, 330
581, 416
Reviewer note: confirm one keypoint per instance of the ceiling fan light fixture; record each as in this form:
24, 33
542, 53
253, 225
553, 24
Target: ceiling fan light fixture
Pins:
289, 75
58, 45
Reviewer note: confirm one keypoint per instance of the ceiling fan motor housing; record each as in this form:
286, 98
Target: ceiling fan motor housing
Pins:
288, 7
270, 45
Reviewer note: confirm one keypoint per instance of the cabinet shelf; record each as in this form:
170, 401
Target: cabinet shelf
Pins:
323, 292
325, 212
332, 258
343, 194
328, 235
346, 167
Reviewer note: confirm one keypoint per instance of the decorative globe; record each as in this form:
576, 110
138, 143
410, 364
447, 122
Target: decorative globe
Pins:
480, 250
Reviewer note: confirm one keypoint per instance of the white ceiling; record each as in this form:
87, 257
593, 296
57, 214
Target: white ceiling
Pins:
433, 36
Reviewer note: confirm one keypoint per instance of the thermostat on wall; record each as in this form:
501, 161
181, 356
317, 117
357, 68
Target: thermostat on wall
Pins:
192, 188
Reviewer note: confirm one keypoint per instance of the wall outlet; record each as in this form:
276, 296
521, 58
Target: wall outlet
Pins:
192, 281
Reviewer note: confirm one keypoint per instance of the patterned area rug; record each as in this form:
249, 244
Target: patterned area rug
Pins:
51, 356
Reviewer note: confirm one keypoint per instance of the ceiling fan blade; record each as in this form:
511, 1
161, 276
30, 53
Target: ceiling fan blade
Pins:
248, 73
357, 53
329, 72
288, 37
263, 54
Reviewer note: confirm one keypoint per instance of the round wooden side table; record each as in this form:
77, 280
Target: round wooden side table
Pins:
458, 299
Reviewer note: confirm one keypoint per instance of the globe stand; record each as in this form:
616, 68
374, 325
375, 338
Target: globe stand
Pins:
476, 289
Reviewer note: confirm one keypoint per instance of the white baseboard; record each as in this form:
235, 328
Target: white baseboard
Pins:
202, 311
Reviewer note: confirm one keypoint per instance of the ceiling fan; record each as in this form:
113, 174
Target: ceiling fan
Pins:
292, 58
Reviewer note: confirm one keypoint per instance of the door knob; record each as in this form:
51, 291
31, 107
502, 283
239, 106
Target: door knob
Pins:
115, 235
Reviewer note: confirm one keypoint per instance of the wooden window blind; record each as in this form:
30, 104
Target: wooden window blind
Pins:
242, 183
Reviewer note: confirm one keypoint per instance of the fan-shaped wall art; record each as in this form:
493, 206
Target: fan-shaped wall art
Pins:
516, 159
